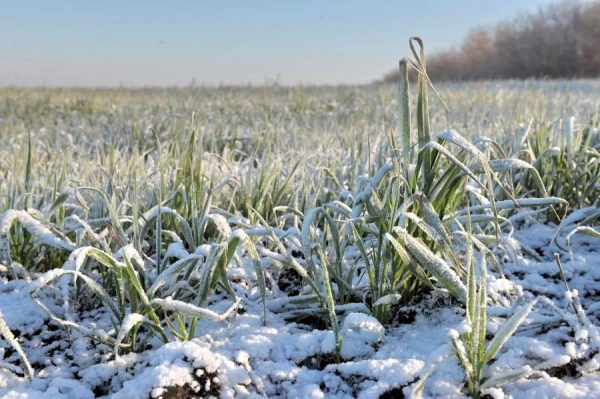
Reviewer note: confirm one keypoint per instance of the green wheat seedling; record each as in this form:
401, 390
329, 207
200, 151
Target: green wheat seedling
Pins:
470, 345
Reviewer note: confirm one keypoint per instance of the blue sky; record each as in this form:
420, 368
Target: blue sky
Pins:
163, 43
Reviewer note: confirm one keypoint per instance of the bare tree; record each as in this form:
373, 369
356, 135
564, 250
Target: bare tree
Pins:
559, 40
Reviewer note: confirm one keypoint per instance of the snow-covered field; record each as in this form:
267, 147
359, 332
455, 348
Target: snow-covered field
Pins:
241, 357
271, 247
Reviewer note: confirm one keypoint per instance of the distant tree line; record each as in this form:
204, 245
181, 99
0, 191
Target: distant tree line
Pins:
561, 40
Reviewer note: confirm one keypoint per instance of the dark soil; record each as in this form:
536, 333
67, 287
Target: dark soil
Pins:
395, 393
204, 380
179, 392
290, 282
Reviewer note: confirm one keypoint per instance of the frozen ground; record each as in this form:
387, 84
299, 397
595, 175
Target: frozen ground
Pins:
242, 358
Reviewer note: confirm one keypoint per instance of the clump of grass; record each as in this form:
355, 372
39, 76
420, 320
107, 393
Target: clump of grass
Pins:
567, 158
170, 302
400, 220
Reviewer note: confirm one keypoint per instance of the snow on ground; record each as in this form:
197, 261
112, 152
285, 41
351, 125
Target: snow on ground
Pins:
282, 359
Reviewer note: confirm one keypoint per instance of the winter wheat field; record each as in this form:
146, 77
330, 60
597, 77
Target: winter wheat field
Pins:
355, 242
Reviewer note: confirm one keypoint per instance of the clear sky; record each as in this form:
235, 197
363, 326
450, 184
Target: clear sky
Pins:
163, 43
